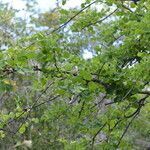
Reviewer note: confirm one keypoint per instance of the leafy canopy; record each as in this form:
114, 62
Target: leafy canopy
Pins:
52, 98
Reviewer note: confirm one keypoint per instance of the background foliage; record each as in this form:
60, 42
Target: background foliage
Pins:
53, 98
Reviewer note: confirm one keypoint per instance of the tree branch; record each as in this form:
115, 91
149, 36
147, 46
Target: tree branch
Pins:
63, 25
126, 129
145, 92
94, 137
99, 21
141, 104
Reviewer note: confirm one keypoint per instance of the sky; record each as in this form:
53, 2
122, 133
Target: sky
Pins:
46, 5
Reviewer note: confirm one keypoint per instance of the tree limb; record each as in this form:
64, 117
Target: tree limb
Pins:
126, 129
99, 21
63, 25
94, 137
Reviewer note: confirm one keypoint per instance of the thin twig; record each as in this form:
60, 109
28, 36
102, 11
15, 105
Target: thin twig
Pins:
99, 21
94, 137
141, 104
127, 8
126, 129
53, 98
100, 70
63, 25
96, 104
145, 92
82, 107
67, 22
29, 108
43, 92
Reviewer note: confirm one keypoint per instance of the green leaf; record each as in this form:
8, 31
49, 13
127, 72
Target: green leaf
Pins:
93, 86
22, 129
63, 2
2, 134
85, 75
35, 120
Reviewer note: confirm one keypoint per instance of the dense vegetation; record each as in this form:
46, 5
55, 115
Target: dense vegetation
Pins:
53, 98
